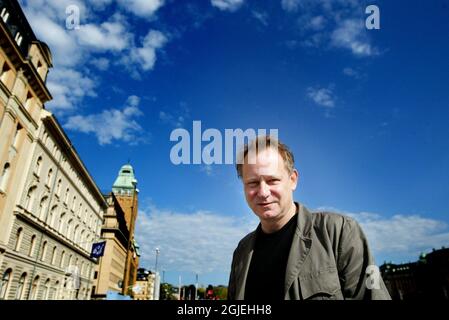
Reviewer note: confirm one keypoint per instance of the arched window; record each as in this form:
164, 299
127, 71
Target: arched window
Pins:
46, 291
5, 176
49, 176
32, 245
53, 255
82, 241
4, 284
16, 139
58, 188
55, 290
20, 286
34, 288
70, 260
69, 229
42, 208
44, 251
4, 15
38, 166
61, 263
29, 200
80, 209
19, 236
75, 234
73, 203
52, 216
61, 223
66, 197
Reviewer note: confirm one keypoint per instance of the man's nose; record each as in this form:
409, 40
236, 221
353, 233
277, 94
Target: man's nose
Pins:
264, 190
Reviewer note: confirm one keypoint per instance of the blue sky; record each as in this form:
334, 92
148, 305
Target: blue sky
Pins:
364, 111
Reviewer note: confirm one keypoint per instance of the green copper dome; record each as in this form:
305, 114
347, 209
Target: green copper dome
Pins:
126, 181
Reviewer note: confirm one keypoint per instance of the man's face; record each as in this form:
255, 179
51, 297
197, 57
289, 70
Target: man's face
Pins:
268, 185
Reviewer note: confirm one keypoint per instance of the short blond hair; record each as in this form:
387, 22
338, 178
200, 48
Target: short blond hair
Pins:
261, 143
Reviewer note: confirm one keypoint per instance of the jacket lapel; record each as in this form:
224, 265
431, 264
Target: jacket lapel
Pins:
245, 261
300, 247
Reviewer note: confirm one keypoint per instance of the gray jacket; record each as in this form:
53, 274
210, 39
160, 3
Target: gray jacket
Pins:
328, 259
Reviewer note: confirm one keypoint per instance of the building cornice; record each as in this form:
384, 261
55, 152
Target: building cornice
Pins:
19, 61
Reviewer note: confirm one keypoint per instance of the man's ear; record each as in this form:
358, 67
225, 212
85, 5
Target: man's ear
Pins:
294, 178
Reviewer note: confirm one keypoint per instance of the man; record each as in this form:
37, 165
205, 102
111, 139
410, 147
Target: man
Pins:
294, 254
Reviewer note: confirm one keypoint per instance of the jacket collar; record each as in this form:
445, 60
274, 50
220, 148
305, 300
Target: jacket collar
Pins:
298, 252
302, 241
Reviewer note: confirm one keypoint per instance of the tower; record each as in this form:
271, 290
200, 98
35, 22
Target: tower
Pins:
126, 193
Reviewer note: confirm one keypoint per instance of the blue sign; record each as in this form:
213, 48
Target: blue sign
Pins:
98, 249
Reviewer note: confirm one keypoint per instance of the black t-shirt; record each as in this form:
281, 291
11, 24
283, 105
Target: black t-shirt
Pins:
266, 274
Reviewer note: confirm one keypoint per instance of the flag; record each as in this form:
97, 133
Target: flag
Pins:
98, 249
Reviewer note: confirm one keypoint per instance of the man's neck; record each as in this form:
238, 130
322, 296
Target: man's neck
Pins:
275, 225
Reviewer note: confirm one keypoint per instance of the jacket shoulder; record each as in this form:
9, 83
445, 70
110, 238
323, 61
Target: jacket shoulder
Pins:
333, 222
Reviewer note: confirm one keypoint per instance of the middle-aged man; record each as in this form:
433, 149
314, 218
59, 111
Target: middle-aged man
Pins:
294, 254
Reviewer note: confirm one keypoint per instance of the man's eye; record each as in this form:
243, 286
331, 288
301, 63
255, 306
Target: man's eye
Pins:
252, 184
273, 181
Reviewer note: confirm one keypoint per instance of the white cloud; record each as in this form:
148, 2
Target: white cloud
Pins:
350, 34
400, 237
112, 124
322, 96
144, 57
227, 5
141, 8
68, 83
175, 121
262, 17
68, 87
290, 5
108, 36
208, 169
199, 242
100, 63
317, 23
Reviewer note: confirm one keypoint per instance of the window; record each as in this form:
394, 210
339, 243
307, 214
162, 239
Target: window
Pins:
53, 255
18, 38
5, 176
75, 234
6, 74
4, 284
28, 106
20, 286
38, 166
55, 290
80, 209
66, 197
58, 188
32, 245
4, 15
42, 208
44, 251
34, 288
61, 263
61, 223
29, 200
69, 229
49, 176
51, 218
46, 290
73, 203
16, 139
19, 236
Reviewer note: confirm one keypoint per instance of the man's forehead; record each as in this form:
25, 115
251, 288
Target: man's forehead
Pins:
266, 162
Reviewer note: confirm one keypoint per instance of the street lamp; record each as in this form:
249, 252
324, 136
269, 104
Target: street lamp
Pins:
157, 255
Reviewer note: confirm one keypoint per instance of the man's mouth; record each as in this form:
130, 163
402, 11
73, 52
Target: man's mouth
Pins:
263, 204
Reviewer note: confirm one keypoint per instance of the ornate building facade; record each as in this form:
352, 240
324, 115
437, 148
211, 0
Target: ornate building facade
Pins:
51, 210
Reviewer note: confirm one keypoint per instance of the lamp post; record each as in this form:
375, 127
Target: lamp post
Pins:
157, 255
